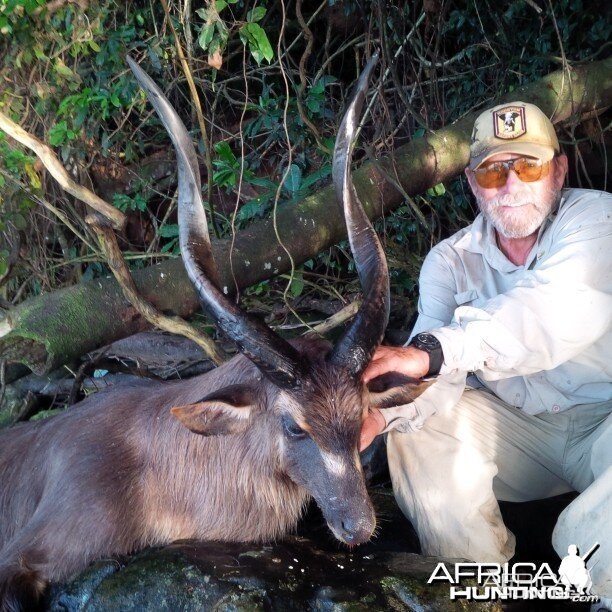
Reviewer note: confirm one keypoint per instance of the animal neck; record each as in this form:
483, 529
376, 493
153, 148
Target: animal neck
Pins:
235, 478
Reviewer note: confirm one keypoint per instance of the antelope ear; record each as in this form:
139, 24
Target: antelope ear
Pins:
225, 411
393, 389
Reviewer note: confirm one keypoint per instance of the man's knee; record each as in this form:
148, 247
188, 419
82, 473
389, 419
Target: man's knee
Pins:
601, 452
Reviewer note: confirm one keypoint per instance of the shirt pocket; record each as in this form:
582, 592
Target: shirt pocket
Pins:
466, 297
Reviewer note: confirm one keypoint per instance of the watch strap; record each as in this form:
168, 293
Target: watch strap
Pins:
431, 345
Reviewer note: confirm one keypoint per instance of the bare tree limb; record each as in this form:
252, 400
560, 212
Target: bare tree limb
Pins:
108, 243
57, 170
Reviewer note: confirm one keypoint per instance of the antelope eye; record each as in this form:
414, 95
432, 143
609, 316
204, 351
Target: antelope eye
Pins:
292, 429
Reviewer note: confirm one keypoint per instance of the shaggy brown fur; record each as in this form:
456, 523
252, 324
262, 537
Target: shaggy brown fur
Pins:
118, 472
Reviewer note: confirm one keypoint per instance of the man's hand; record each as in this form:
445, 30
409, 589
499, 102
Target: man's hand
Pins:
406, 360
372, 426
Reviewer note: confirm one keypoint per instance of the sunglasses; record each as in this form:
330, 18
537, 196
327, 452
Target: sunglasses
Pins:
495, 174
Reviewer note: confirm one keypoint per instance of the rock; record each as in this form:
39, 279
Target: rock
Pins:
308, 571
292, 575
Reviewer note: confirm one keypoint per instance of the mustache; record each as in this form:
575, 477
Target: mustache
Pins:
520, 198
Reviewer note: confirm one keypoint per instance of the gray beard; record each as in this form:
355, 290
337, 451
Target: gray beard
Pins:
518, 223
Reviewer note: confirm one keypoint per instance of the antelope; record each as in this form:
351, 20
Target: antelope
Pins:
230, 455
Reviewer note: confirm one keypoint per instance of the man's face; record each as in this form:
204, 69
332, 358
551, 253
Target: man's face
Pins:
518, 209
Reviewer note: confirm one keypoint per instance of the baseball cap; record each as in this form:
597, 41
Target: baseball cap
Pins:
516, 127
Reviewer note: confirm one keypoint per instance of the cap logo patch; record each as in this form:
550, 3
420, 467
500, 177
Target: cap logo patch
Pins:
509, 122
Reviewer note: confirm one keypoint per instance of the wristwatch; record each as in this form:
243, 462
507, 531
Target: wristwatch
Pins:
431, 345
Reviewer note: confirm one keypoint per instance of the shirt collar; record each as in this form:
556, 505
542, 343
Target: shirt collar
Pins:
474, 239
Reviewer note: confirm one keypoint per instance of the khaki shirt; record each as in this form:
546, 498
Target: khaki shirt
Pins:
539, 336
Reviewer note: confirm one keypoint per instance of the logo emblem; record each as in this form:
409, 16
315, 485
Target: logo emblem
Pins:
520, 581
573, 572
509, 122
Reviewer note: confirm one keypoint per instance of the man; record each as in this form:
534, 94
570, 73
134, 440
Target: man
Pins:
522, 298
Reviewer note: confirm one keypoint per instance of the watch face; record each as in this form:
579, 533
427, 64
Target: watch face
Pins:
427, 340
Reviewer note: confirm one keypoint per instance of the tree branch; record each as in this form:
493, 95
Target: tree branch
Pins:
57, 170
175, 325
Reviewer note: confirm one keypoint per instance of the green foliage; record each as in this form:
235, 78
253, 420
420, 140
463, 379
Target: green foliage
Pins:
63, 78
436, 190
16, 168
317, 98
227, 167
130, 203
59, 134
215, 31
522, 47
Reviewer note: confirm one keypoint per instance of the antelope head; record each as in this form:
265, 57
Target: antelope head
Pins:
311, 399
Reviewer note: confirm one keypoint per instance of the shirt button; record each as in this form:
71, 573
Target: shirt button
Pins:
556, 408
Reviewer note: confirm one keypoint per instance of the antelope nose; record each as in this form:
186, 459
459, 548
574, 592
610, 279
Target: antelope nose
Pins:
356, 531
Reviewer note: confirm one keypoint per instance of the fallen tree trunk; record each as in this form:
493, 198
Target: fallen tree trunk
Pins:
52, 329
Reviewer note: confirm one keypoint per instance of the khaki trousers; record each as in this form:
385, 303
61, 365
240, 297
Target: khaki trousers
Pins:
448, 476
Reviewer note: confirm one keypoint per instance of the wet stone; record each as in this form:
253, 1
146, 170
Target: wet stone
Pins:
221, 576
308, 571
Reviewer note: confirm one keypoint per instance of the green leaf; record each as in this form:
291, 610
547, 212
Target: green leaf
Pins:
314, 106
95, 46
39, 53
171, 246
249, 210
297, 284
5, 26
259, 45
225, 178
294, 179
19, 221
318, 87
222, 32
224, 151
206, 35
63, 70
29, 5
323, 172
220, 5
257, 14
115, 100
437, 190
326, 79
57, 134
170, 230
124, 202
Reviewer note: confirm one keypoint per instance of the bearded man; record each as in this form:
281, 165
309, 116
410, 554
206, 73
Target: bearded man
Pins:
515, 315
